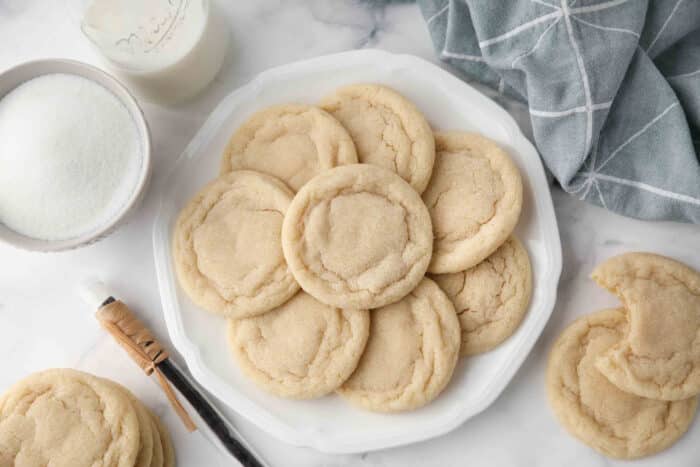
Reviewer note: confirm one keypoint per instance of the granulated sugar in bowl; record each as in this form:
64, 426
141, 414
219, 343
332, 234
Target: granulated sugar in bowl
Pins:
71, 157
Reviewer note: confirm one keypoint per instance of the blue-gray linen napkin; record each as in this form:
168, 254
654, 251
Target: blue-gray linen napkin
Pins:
612, 87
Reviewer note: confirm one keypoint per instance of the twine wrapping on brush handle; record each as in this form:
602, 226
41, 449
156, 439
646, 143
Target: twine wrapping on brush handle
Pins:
143, 348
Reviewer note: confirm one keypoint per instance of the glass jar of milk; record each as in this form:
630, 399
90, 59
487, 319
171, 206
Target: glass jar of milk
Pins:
165, 50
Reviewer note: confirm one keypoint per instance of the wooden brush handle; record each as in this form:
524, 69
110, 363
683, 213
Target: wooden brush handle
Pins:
149, 351
142, 346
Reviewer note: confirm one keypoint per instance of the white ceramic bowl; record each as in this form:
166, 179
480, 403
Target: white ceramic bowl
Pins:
19, 74
330, 424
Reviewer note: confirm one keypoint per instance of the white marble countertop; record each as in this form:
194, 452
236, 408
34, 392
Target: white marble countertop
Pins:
44, 324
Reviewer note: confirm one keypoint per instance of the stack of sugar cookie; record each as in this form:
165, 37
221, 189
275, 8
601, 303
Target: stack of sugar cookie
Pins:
66, 418
625, 381
316, 238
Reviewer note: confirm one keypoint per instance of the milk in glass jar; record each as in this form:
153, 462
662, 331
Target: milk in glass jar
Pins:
165, 50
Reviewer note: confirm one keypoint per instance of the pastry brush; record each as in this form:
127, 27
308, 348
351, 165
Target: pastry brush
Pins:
152, 357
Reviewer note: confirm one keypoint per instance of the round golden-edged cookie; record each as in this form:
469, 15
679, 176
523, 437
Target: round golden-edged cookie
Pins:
66, 418
388, 130
491, 298
167, 449
411, 354
226, 245
613, 422
301, 350
144, 457
474, 198
660, 356
292, 142
357, 237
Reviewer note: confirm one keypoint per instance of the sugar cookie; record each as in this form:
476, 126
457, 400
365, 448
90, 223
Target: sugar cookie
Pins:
358, 237
411, 354
660, 357
388, 130
474, 199
150, 447
303, 349
65, 418
491, 298
613, 422
226, 245
291, 142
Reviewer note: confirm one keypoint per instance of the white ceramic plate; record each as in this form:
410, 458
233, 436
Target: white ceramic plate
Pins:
330, 424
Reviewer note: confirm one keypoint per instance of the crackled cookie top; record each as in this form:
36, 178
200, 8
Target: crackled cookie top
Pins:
388, 130
226, 245
660, 357
65, 418
614, 422
357, 236
491, 298
474, 199
412, 351
302, 349
291, 142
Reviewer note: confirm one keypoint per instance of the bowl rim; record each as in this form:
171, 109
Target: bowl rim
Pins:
45, 66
